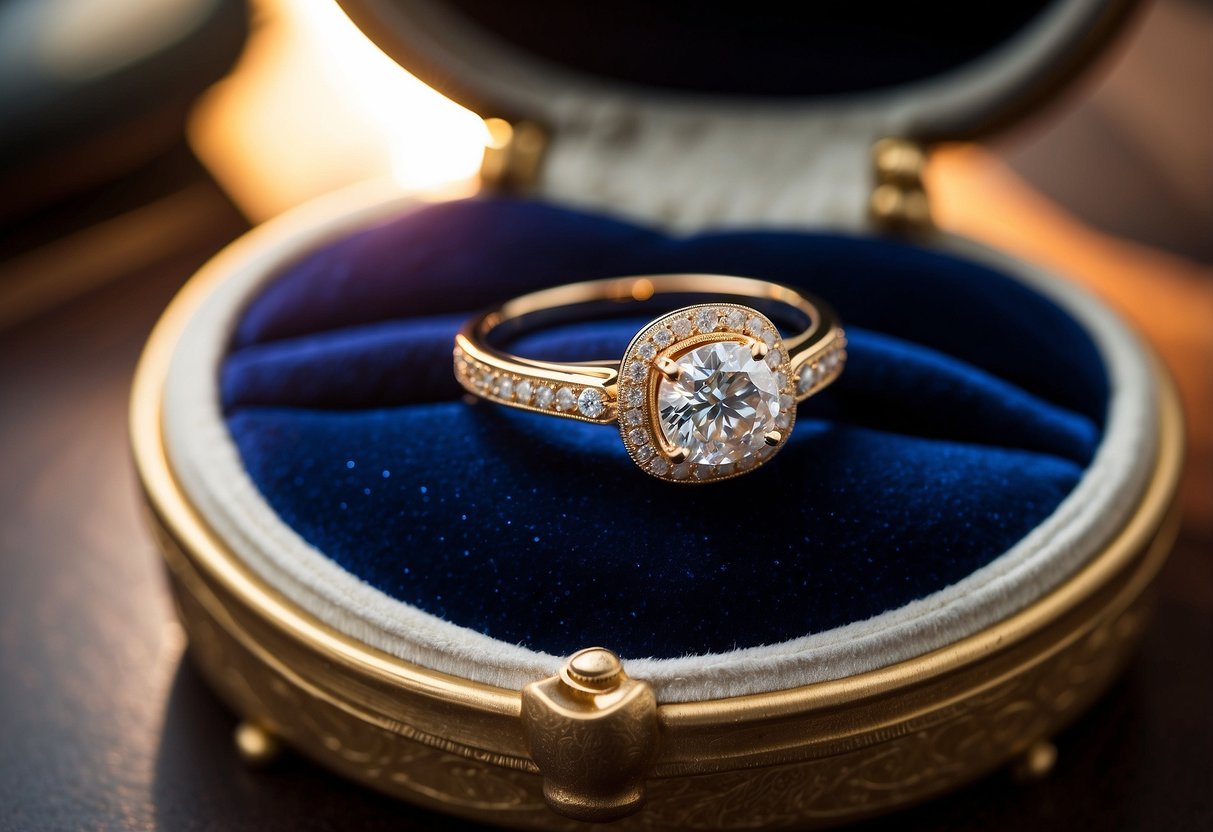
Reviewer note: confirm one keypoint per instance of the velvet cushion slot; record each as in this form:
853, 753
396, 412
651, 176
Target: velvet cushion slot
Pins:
969, 410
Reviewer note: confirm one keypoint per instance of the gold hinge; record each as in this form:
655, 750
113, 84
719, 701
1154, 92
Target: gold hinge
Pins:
592, 731
899, 199
512, 156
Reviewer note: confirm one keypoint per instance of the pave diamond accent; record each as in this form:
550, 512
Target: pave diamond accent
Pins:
591, 403
707, 319
808, 377
565, 400
544, 396
522, 391
506, 388
822, 370
722, 404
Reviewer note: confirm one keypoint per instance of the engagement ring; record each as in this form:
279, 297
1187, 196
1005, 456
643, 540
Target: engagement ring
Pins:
703, 393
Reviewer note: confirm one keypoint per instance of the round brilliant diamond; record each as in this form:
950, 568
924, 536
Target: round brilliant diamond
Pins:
591, 403
721, 406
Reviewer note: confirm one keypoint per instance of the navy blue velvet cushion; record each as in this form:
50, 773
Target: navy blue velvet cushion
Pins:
968, 410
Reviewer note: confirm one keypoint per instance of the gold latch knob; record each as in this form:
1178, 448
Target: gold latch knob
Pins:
593, 670
592, 731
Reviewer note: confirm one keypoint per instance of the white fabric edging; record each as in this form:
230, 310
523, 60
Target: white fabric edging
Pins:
211, 473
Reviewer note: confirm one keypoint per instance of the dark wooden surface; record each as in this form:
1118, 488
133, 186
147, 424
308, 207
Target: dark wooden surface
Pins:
104, 725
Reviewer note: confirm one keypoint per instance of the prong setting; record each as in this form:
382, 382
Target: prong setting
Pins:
667, 367
688, 352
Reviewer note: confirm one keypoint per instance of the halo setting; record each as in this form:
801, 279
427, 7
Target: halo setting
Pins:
710, 391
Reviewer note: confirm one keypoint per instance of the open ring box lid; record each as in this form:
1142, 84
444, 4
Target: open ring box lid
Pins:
906, 637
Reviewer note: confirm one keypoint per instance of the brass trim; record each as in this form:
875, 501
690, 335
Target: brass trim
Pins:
899, 201
812, 755
593, 733
513, 156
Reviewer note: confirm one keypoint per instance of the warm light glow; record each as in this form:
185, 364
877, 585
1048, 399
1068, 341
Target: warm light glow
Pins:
313, 106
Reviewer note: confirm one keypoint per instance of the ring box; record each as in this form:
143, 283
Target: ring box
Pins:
959, 567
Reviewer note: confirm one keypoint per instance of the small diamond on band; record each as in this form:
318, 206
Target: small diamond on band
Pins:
591, 403
565, 400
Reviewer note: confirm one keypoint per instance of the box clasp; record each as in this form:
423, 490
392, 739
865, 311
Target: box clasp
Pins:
592, 731
512, 156
899, 199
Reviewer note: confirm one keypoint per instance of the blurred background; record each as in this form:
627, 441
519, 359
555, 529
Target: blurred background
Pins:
137, 137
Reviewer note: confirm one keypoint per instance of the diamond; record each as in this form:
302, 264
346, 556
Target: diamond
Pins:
755, 326
646, 351
544, 396
682, 327
644, 452
769, 337
786, 402
735, 320
808, 377
782, 421
591, 403
485, 380
506, 388
680, 471
774, 359
781, 380
637, 436
722, 404
707, 319
659, 466
636, 371
522, 391
663, 337
632, 418
702, 472
565, 400
632, 396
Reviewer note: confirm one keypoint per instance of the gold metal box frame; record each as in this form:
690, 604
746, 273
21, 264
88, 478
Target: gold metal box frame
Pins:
812, 756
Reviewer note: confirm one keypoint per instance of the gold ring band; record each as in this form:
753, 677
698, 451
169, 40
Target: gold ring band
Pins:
703, 393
